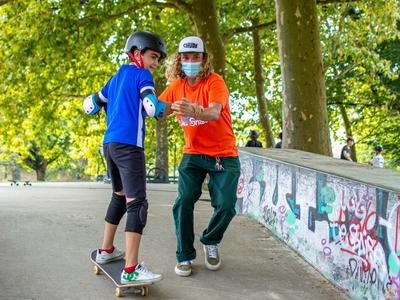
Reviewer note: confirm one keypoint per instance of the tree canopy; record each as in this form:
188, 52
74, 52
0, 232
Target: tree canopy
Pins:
55, 52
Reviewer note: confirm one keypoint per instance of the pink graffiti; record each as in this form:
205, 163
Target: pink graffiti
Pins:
327, 251
240, 185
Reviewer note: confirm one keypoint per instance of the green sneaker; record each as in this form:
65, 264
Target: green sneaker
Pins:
183, 268
212, 258
140, 275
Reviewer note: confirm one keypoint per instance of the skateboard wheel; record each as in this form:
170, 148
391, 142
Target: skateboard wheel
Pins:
96, 270
118, 292
145, 291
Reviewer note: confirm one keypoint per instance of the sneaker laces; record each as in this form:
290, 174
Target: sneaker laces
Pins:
212, 251
143, 269
185, 263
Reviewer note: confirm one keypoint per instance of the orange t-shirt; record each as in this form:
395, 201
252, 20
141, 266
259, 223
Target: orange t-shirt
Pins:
213, 138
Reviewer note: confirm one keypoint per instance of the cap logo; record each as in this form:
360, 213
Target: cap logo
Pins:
190, 45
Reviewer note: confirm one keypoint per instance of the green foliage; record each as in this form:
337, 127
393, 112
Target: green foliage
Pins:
358, 77
53, 53
240, 70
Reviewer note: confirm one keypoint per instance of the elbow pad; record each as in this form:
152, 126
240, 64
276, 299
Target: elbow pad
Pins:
152, 106
92, 104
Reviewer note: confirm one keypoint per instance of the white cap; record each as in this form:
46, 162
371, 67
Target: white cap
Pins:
191, 44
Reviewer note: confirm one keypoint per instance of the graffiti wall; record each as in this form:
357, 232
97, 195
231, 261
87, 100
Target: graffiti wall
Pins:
348, 230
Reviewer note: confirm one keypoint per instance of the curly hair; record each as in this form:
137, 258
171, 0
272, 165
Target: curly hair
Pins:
174, 67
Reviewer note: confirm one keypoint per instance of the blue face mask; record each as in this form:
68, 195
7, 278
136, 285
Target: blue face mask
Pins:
191, 69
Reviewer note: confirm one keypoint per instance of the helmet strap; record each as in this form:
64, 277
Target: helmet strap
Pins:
139, 63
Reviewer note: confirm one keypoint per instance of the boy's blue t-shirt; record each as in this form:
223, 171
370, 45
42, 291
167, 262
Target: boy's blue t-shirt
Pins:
125, 113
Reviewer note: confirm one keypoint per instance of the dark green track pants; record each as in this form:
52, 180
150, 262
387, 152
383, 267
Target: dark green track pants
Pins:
222, 187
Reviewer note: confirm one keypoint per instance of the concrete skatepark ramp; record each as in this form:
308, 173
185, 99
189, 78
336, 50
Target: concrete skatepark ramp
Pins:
341, 217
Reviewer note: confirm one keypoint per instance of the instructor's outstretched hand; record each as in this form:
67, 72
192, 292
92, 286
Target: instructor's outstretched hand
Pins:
183, 107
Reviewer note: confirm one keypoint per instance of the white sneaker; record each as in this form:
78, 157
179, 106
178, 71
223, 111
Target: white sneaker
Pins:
140, 275
103, 257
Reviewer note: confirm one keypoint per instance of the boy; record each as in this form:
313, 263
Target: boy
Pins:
127, 97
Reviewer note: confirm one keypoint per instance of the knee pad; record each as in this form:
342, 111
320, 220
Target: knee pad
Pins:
116, 209
137, 215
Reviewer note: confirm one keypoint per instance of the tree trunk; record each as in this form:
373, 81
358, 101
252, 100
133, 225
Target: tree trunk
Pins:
41, 171
15, 170
204, 15
162, 139
349, 132
305, 116
259, 85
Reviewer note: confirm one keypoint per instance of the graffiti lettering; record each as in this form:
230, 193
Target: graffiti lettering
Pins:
269, 216
357, 272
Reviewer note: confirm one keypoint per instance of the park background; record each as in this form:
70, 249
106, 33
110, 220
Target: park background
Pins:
55, 52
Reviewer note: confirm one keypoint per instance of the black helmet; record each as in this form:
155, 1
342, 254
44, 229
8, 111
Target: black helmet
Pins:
144, 40
378, 148
253, 133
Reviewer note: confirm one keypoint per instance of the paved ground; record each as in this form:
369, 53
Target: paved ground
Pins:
48, 231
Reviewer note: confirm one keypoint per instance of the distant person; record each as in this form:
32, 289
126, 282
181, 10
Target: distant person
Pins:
378, 160
346, 150
254, 140
279, 144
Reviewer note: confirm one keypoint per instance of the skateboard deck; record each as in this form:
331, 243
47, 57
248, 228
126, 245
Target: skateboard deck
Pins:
113, 271
14, 182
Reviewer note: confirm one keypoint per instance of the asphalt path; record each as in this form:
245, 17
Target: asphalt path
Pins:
49, 229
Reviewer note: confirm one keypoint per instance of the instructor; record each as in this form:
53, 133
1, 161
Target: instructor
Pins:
200, 100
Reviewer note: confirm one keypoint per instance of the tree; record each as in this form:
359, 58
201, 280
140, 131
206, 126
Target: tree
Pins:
203, 14
355, 73
207, 16
37, 162
67, 50
305, 117
259, 86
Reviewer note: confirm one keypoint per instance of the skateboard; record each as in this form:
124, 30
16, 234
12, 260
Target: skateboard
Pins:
113, 271
14, 182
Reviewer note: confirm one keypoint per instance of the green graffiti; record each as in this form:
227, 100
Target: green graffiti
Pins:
290, 217
293, 230
394, 264
291, 220
328, 209
325, 195
260, 176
